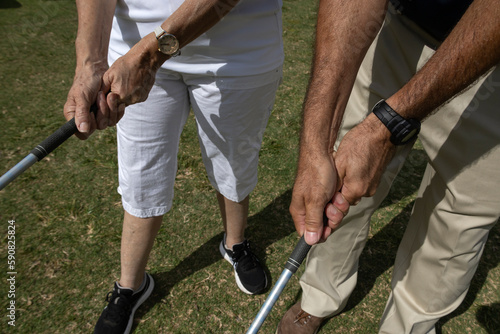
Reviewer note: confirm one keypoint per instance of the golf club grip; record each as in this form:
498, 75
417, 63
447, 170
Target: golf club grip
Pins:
298, 255
58, 137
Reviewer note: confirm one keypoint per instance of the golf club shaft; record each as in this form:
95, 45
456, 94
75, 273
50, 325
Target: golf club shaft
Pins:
42, 150
270, 301
17, 170
291, 266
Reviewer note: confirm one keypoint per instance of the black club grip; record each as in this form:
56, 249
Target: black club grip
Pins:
58, 137
298, 255
54, 140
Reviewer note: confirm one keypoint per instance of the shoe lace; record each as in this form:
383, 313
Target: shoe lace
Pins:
245, 258
119, 306
302, 317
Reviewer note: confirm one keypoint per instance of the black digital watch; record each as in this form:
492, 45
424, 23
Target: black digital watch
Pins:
402, 130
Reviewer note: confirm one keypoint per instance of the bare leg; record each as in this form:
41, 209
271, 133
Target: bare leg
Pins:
138, 237
234, 216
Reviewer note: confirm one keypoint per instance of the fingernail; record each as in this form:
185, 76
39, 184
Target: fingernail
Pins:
339, 199
311, 237
84, 127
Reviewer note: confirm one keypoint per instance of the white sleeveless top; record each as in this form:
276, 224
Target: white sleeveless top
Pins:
247, 41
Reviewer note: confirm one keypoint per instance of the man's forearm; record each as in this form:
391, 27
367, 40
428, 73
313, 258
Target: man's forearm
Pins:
344, 32
471, 49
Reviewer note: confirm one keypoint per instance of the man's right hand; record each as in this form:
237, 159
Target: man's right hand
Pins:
315, 187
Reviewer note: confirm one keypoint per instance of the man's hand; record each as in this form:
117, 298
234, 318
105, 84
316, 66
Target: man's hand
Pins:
315, 186
362, 157
332, 77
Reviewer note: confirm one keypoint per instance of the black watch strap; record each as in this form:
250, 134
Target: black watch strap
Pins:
402, 130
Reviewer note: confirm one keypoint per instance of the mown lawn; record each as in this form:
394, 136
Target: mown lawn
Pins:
68, 214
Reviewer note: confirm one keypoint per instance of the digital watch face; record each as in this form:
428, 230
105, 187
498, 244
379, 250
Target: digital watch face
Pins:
409, 136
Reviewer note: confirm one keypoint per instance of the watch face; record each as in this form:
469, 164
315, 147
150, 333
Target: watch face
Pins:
168, 44
402, 130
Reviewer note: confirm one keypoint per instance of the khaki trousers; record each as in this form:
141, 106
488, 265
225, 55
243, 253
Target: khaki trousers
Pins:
456, 206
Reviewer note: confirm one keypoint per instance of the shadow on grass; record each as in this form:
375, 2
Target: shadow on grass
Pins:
264, 228
9, 4
487, 316
274, 223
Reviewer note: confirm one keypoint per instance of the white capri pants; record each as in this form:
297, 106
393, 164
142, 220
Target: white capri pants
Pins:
231, 115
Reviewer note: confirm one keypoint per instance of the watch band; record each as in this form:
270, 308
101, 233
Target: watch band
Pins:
159, 31
402, 130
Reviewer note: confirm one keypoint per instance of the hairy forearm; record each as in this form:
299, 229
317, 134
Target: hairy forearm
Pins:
471, 49
344, 32
95, 18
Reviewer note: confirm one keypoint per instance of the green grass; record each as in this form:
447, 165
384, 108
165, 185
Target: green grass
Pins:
68, 214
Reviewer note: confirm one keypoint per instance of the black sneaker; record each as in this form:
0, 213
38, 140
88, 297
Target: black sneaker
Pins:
250, 276
118, 316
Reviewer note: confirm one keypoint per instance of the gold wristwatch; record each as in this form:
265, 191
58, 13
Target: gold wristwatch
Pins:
167, 43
